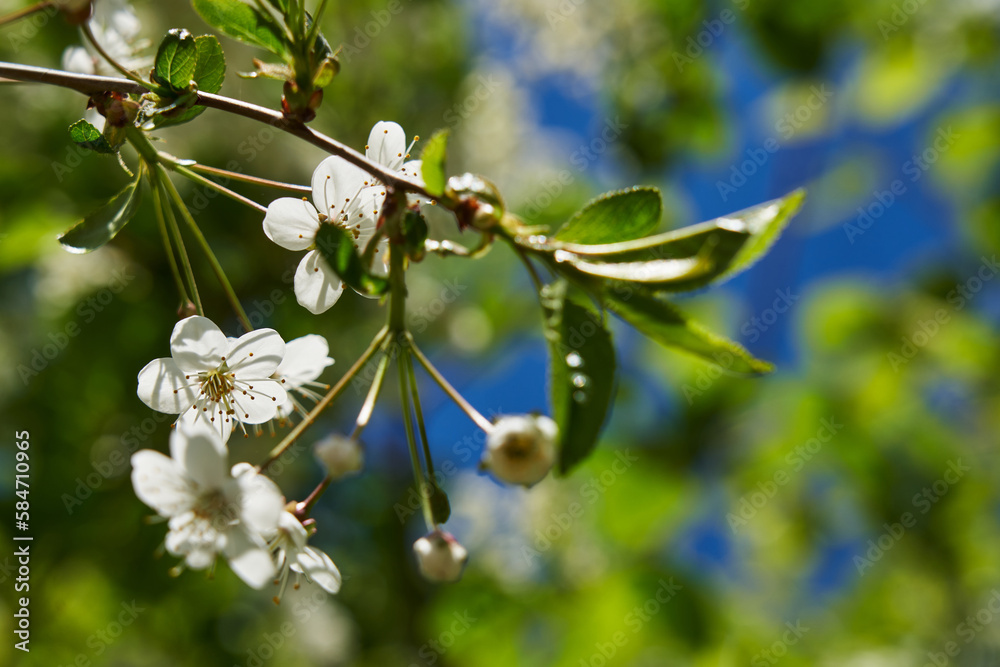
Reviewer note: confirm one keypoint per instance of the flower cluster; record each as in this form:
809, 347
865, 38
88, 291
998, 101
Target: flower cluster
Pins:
217, 384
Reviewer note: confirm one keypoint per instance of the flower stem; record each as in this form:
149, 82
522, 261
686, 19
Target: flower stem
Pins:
179, 240
365, 415
480, 421
418, 410
418, 474
198, 178
27, 11
335, 391
302, 508
245, 178
127, 73
168, 248
207, 249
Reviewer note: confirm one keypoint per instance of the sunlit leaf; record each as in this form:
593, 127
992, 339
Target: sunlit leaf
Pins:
582, 365
103, 224
432, 165
176, 60
241, 21
615, 216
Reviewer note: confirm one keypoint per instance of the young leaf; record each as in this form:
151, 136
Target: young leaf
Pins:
176, 60
615, 216
582, 363
337, 247
210, 67
86, 135
729, 244
663, 323
103, 224
654, 273
241, 21
432, 165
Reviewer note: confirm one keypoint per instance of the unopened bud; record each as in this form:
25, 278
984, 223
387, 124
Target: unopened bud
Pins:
440, 557
340, 455
521, 449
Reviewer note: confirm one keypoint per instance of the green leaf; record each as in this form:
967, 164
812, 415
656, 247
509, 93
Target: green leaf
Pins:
653, 273
210, 67
615, 216
86, 135
241, 21
176, 60
103, 224
723, 247
432, 166
582, 364
414, 228
337, 247
662, 322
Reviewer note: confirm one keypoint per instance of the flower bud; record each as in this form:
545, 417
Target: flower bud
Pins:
521, 449
440, 557
340, 455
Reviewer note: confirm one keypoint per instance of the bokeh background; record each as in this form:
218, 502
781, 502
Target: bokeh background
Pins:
747, 521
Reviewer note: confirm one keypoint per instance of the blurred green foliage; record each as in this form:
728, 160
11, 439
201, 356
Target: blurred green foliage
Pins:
716, 510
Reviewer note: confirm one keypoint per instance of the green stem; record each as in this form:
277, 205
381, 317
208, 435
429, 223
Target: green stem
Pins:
411, 441
418, 410
302, 508
480, 421
254, 180
314, 28
27, 11
365, 415
161, 222
198, 178
335, 391
179, 240
207, 249
127, 73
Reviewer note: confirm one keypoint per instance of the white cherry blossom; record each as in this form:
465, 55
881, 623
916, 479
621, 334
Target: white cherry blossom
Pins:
216, 380
342, 194
305, 360
211, 510
521, 449
293, 554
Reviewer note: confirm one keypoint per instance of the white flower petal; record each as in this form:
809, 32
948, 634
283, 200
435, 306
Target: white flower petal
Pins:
199, 559
387, 145
294, 529
335, 183
261, 502
197, 344
256, 354
304, 361
248, 558
78, 59
291, 223
413, 170
198, 418
258, 401
200, 453
164, 387
317, 286
319, 568
160, 483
